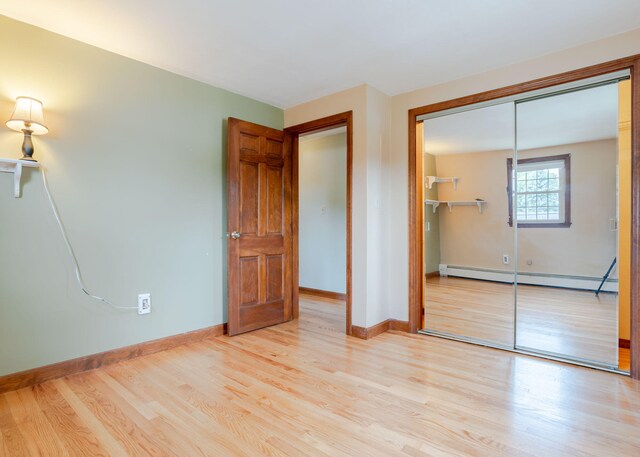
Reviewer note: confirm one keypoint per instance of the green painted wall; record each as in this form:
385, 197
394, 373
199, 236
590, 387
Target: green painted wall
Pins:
322, 218
136, 162
431, 219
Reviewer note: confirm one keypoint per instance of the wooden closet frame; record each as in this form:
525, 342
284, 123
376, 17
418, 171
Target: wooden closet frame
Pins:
416, 191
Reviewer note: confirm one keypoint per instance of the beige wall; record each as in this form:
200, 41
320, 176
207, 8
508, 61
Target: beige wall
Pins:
379, 228
468, 238
369, 202
323, 213
135, 158
350, 100
471, 239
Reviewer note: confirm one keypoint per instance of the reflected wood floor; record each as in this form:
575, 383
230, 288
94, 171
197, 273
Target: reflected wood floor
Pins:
304, 388
562, 321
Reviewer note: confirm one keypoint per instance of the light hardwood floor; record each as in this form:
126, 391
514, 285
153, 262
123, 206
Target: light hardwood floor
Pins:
304, 388
574, 323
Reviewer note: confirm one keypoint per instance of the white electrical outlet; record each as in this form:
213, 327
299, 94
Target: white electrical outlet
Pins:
144, 303
506, 259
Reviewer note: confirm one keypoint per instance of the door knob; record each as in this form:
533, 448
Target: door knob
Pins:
235, 235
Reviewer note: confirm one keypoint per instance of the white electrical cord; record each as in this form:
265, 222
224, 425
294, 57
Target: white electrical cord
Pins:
70, 248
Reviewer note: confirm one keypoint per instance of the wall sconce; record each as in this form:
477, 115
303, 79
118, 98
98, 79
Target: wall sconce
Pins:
28, 118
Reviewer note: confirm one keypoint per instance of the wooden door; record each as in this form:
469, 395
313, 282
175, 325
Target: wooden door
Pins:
259, 171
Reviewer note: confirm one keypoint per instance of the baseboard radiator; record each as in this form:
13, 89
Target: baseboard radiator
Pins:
537, 279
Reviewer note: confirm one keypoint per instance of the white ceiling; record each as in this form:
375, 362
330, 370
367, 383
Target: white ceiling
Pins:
575, 117
289, 51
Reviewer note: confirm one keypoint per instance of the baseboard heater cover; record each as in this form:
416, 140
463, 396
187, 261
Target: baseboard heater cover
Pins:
535, 279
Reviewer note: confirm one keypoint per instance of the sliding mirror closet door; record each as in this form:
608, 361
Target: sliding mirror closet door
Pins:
469, 247
570, 189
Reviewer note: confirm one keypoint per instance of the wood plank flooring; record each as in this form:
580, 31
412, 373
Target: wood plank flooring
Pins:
574, 323
480, 310
304, 388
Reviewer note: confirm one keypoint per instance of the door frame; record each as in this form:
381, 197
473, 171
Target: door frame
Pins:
326, 123
416, 190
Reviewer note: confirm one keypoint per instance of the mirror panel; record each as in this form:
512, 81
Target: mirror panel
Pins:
469, 246
564, 190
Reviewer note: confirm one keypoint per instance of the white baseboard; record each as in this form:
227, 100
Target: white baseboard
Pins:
537, 279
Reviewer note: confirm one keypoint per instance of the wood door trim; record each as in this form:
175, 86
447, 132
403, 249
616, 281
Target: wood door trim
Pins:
318, 125
322, 293
416, 222
38, 375
536, 84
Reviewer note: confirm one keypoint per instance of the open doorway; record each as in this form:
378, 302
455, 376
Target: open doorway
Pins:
322, 223
322, 169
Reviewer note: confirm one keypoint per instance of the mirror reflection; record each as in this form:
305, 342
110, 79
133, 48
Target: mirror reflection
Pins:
567, 206
527, 219
468, 246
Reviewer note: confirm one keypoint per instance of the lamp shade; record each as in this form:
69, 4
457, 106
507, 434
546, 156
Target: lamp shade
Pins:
28, 115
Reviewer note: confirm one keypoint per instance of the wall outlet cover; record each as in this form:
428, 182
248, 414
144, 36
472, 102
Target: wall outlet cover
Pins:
144, 303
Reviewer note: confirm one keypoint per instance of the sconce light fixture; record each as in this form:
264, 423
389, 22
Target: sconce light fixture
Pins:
28, 118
